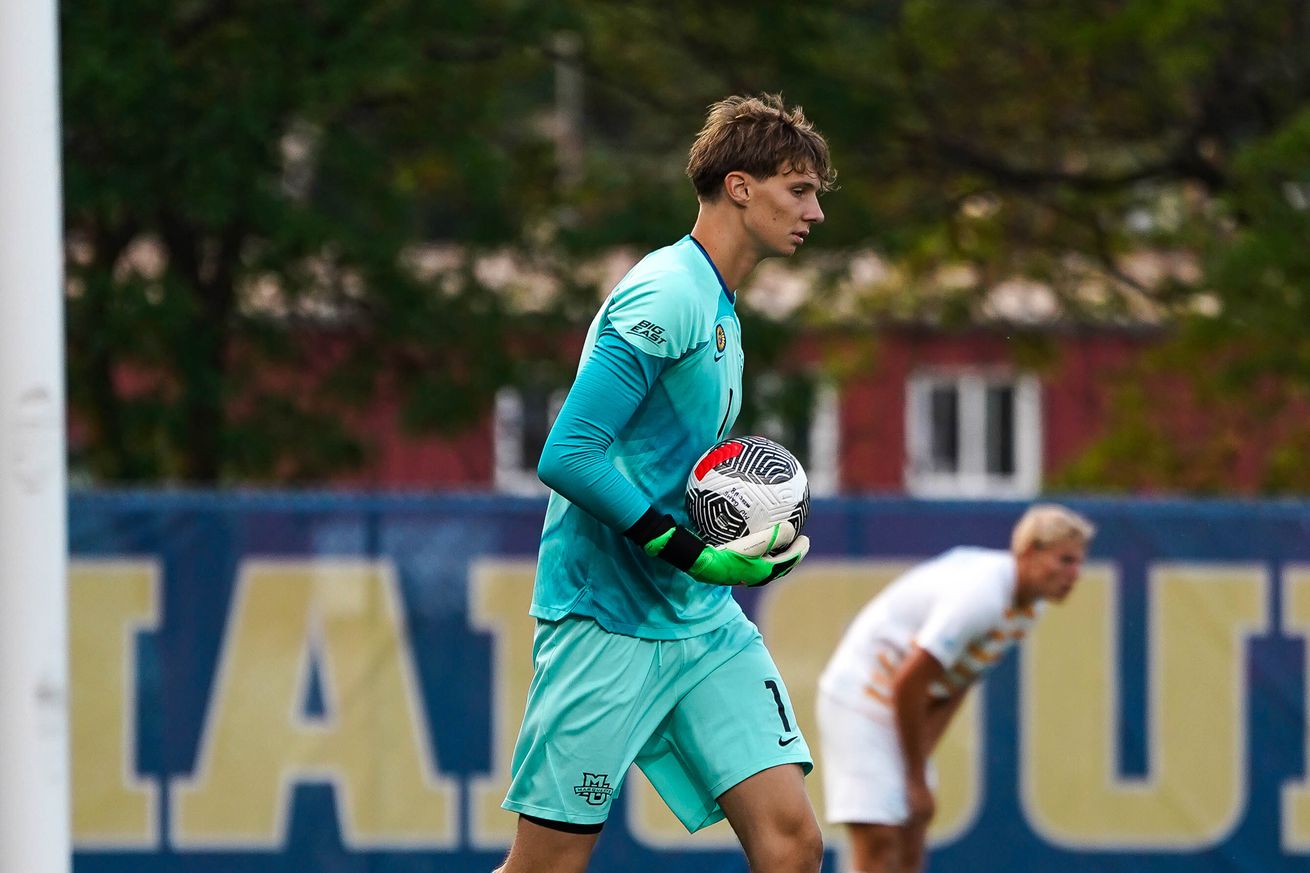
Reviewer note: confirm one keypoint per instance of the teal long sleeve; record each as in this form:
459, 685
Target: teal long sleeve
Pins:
610, 386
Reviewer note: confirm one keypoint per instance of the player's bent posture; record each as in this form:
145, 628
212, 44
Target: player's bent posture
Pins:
905, 664
641, 653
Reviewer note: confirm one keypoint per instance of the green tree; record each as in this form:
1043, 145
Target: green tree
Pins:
1019, 137
1077, 139
245, 186
1062, 144
306, 147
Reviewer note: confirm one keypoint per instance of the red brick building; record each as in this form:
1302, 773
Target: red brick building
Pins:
986, 412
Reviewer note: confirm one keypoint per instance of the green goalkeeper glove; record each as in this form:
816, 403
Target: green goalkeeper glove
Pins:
745, 561
734, 563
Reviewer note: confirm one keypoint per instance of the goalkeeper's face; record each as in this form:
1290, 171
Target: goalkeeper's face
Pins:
1050, 571
781, 211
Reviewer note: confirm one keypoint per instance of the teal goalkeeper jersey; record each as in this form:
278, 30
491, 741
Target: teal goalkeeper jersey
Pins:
659, 383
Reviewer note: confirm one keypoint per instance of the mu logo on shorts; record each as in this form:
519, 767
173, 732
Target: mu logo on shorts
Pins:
595, 788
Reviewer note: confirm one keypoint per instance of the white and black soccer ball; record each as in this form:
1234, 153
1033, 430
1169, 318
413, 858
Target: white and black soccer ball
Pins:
744, 486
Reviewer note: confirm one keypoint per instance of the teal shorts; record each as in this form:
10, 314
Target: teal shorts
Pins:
697, 716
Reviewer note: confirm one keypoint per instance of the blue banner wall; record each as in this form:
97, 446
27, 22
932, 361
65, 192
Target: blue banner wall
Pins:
287, 682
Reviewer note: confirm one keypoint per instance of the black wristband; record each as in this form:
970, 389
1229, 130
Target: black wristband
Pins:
682, 549
649, 526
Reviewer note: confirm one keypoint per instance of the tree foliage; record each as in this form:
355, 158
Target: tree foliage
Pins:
284, 158
243, 181
1138, 159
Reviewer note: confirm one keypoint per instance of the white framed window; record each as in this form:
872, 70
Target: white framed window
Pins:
523, 418
799, 410
973, 433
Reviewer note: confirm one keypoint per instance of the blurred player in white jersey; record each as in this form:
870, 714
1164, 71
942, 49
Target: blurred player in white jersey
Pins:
906, 662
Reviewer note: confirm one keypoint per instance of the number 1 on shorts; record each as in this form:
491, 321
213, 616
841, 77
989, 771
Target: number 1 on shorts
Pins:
782, 710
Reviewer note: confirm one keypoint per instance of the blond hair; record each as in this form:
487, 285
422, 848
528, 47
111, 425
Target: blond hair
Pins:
1047, 523
756, 135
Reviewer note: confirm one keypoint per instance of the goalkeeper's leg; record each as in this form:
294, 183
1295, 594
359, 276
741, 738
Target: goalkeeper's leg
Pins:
772, 817
539, 849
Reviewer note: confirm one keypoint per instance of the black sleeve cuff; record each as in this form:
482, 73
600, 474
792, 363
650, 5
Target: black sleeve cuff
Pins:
682, 549
649, 526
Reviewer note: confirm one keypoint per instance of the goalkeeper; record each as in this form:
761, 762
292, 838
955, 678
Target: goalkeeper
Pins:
641, 652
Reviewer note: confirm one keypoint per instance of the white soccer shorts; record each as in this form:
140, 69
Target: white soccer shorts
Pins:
863, 774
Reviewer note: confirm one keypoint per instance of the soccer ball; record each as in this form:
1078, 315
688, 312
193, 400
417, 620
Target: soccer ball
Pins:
742, 487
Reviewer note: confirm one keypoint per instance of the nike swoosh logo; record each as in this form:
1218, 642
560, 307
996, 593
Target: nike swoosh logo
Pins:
719, 357
788, 741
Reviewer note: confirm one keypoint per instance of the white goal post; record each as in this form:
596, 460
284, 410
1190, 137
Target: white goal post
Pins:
34, 768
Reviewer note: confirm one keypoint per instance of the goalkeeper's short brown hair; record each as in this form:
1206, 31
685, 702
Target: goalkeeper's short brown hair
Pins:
757, 135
